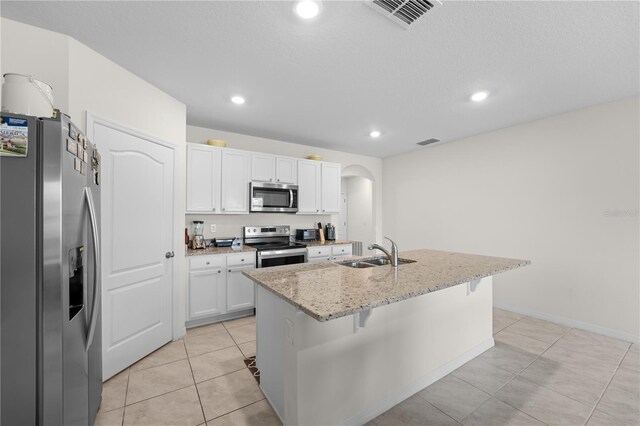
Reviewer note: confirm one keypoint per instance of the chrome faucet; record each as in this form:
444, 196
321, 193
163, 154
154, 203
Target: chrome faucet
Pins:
393, 256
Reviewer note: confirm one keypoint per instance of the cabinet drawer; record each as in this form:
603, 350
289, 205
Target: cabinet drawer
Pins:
241, 259
342, 250
206, 262
318, 251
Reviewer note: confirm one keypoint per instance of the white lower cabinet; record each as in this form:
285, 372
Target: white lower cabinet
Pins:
240, 289
321, 253
216, 285
318, 253
207, 287
341, 250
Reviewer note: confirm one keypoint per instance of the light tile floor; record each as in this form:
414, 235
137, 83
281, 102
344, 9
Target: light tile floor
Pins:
538, 373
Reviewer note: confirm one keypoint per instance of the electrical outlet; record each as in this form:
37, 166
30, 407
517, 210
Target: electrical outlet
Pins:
213, 228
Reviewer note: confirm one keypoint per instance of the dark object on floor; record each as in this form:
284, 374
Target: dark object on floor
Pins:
251, 365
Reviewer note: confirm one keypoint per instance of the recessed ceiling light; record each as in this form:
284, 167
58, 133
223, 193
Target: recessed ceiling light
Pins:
238, 100
479, 96
374, 133
307, 9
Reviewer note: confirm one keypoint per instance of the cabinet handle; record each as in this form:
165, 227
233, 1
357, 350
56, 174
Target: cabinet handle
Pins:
270, 179
219, 271
278, 180
223, 209
323, 210
241, 260
208, 263
317, 211
214, 209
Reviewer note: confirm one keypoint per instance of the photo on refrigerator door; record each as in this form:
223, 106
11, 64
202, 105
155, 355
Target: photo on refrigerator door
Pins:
14, 137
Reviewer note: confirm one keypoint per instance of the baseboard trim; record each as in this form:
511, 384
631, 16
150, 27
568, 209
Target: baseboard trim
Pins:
621, 335
405, 392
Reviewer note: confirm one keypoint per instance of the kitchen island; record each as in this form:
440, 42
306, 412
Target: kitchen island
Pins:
341, 345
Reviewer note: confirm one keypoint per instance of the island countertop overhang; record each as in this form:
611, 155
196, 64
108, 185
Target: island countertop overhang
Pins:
326, 290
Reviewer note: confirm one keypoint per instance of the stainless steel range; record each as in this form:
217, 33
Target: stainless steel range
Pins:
273, 246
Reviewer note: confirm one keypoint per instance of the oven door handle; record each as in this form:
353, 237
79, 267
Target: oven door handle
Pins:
280, 253
291, 198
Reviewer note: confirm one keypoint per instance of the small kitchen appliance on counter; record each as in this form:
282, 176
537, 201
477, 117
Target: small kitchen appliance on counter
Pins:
330, 232
306, 234
198, 241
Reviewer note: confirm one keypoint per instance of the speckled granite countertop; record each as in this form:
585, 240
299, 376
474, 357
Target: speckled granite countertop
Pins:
218, 250
324, 243
327, 291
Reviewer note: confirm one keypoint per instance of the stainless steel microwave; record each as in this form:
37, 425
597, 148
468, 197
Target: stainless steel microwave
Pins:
273, 197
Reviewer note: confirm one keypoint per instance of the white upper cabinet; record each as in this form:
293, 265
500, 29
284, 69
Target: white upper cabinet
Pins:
286, 170
309, 187
330, 199
235, 181
274, 169
263, 167
203, 179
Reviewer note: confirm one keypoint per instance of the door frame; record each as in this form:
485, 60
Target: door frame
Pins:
177, 326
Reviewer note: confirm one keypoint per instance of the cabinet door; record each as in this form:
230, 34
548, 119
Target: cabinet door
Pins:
262, 167
203, 179
207, 290
235, 181
240, 289
308, 187
330, 188
286, 170
341, 250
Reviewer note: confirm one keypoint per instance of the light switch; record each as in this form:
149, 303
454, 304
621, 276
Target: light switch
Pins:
213, 228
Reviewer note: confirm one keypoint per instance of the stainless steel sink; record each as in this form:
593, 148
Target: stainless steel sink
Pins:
356, 264
384, 261
374, 261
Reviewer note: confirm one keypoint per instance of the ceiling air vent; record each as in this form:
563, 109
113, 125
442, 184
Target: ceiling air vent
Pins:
403, 12
428, 142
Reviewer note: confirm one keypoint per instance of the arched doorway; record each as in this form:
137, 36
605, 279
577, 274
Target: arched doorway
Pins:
358, 221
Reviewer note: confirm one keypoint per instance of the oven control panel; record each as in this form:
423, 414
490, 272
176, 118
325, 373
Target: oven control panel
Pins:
267, 231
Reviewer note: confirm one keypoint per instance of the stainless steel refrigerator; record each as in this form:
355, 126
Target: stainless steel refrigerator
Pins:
50, 335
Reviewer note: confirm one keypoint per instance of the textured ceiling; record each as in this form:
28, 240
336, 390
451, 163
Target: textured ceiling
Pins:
329, 82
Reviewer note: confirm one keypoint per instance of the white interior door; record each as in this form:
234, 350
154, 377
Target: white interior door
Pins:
137, 232
343, 229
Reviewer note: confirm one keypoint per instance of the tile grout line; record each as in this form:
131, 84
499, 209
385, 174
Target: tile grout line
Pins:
195, 385
240, 408
593, 410
431, 404
126, 392
518, 374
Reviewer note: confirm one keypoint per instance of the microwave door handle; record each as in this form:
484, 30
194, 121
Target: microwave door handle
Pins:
290, 198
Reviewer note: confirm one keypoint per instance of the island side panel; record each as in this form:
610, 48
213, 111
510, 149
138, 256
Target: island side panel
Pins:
270, 346
344, 377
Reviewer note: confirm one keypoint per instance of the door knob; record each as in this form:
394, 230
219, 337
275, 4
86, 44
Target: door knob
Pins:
169, 254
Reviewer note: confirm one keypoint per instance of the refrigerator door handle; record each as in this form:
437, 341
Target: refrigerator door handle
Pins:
96, 267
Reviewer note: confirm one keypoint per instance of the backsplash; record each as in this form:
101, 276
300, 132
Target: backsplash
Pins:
231, 225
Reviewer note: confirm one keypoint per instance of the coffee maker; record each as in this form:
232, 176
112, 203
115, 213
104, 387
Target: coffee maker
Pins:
198, 241
330, 232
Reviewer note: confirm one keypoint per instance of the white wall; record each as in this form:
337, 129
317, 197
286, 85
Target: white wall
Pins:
41, 53
543, 191
231, 225
84, 80
360, 210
